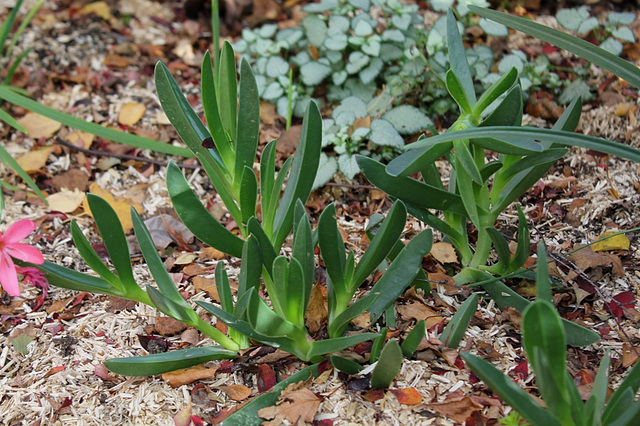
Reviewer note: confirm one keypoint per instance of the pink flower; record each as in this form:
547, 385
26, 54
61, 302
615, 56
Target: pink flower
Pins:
34, 276
10, 247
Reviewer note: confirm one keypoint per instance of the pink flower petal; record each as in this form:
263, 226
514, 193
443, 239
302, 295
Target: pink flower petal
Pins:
8, 275
25, 252
18, 231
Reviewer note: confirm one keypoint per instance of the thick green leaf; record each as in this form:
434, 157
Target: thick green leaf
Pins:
515, 146
104, 132
596, 401
581, 48
150, 365
457, 326
196, 217
388, 365
332, 248
302, 251
621, 405
542, 330
400, 273
303, 172
248, 414
516, 134
339, 324
114, 239
458, 58
457, 92
467, 188
345, 365
413, 339
223, 287
543, 280
415, 161
544, 157
509, 112
92, 259
410, 190
267, 176
251, 269
502, 249
168, 307
328, 346
268, 220
385, 238
227, 89
248, 194
509, 391
268, 251
377, 345
464, 159
212, 114
268, 323
248, 125
554, 393
524, 244
186, 122
500, 86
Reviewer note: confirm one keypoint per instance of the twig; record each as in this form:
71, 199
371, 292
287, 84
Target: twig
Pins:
352, 186
68, 144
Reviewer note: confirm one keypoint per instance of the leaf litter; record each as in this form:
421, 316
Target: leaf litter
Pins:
57, 374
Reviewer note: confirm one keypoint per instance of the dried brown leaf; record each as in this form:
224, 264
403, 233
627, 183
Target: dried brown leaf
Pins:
39, 126
236, 392
293, 406
444, 253
189, 375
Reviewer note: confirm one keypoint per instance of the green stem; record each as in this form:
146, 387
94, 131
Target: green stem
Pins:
216, 335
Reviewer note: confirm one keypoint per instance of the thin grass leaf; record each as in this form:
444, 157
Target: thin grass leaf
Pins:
8, 159
93, 128
7, 26
581, 48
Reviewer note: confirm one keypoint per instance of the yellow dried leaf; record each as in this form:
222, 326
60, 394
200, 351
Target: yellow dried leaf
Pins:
444, 253
100, 8
185, 259
65, 201
36, 159
81, 139
617, 242
131, 113
38, 126
121, 205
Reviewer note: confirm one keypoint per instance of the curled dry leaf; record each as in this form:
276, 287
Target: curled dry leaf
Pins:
99, 8
189, 375
419, 311
168, 326
266, 378
317, 313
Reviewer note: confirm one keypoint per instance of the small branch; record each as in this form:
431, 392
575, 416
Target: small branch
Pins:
69, 145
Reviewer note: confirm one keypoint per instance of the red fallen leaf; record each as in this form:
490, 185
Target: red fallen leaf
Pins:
183, 417
101, 371
200, 394
407, 396
459, 363
225, 366
473, 378
266, 378
363, 348
197, 421
323, 422
583, 377
324, 366
626, 299
373, 395
221, 327
66, 403
548, 49
520, 372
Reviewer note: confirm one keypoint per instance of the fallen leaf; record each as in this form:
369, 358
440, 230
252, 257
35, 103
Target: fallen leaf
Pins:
113, 60
100, 8
189, 375
21, 337
58, 305
586, 258
71, 179
288, 141
121, 205
131, 113
268, 114
620, 302
373, 395
53, 370
617, 242
317, 312
208, 285
266, 378
362, 320
629, 355
456, 407
295, 406
444, 253
419, 311
191, 336
167, 326
153, 344
65, 201
210, 253
166, 229
36, 159
185, 259
236, 392
183, 417
81, 139
447, 283
101, 371
39, 126
407, 396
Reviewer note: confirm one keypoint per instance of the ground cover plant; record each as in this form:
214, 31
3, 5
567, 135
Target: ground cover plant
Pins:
265, 283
